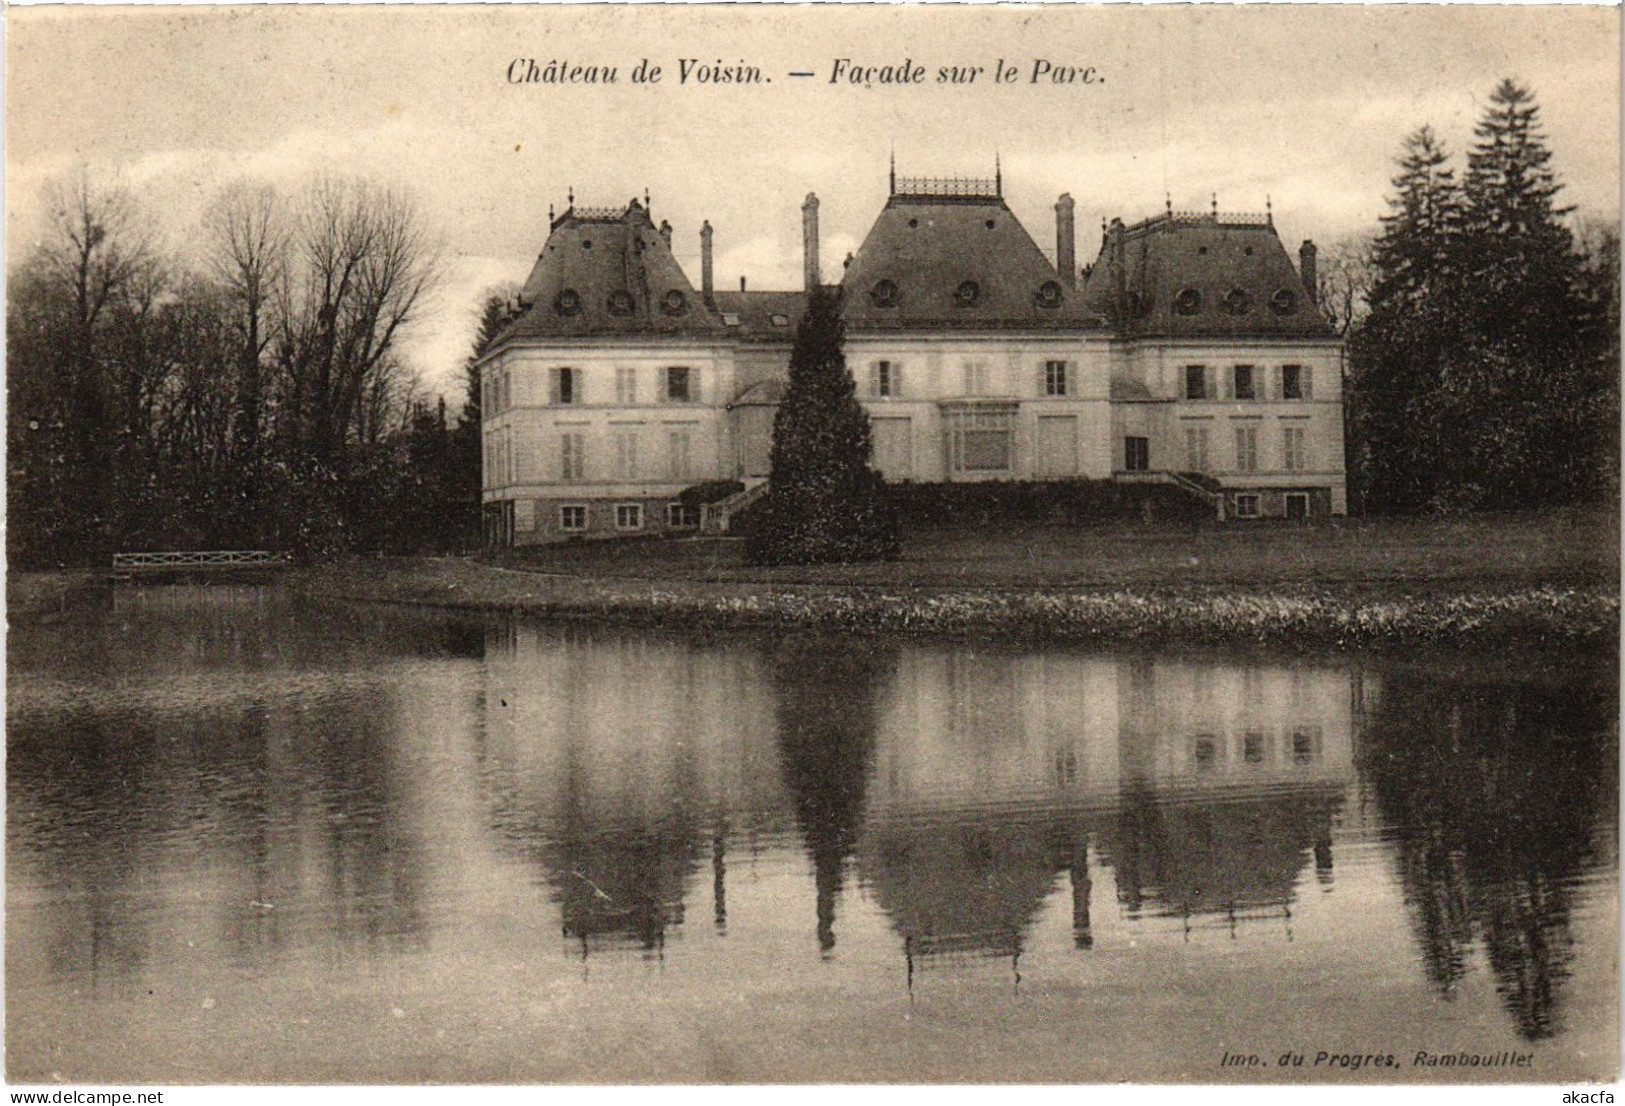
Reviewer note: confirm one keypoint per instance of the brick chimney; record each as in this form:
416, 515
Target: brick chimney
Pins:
707, 293
1306, 269
1066, 256
809, 239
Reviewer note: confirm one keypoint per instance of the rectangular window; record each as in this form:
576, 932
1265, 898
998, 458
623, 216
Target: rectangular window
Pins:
1246, 449
884, 380
564, 387
1292, 449
1196, 441
981, 441
681, 516
1252, 747
626, 386
1244, 382
626, 454
1055, 378
679, 387
1136, 454
507, 389
1195, 382
1305, 744
572, 455
1291, 381
487, 395
573, 517
680, 454
975, 378
1247, 506
628, 516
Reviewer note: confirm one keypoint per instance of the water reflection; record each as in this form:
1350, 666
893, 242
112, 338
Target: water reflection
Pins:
614, 763
234, 785
1495, 796
827, 713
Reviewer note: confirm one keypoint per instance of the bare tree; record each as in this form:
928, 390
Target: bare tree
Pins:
362, 264
249, 236
67, 378
1343, 280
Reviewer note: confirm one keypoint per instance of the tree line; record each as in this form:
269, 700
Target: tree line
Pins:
247, 395
1483, 331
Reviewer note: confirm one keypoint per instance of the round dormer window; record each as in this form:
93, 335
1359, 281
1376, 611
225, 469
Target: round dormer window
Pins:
967, 293
1188, 301
674, 302
567, 302
1237, 302
620, 303
1049, 294
1138, 304
1284, 302
884, 293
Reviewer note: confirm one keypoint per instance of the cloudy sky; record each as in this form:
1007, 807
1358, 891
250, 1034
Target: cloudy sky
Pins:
1306, 106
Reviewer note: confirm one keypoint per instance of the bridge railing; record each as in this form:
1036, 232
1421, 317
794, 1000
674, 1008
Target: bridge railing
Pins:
198, 558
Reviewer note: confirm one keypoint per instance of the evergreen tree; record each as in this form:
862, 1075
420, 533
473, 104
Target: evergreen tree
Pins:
1527, 385
826, 505
1481, 377
1518, 256
464, 490
1415, 318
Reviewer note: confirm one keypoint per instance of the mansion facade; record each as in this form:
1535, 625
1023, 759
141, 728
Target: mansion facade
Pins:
1191, 351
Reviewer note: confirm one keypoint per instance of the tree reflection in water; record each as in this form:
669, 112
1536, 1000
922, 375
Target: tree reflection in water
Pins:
827, 703
1494, 793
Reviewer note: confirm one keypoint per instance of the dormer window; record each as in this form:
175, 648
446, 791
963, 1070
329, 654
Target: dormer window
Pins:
884, 293
1049, 294
620, 303
674, 302
1284, 301
967, 293
1237, 302
567, 302
1188, 301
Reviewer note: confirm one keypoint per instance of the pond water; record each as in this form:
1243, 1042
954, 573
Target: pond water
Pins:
254, 840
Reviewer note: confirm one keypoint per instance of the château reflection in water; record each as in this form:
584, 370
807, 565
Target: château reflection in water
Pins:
963, 788
206, 787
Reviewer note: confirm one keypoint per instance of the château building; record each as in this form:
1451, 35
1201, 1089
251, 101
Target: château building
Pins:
1191, 351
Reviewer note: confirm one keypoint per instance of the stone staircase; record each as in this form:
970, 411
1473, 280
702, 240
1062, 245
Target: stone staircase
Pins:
715, 518
1182, 482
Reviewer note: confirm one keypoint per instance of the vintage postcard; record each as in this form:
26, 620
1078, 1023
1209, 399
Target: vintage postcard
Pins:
831, 544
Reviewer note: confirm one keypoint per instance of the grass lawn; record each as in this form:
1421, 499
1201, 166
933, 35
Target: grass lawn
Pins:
1560, 547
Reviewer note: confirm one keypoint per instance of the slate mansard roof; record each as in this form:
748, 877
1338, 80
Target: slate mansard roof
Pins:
610, 272
943, 256
936, 260
1185, 275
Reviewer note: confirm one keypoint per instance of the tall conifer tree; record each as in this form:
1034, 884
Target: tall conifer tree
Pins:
826, 504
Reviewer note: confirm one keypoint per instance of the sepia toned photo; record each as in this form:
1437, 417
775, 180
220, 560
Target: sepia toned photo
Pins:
804, 545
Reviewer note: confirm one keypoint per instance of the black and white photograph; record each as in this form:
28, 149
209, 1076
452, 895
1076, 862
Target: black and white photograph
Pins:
831, 544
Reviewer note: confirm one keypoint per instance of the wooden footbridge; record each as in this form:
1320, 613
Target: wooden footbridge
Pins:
187, 561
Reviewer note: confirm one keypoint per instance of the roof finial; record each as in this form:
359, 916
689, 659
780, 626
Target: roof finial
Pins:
894, 171
998, 176
1269, 210
550, 219
1168, 203
1215, 205
646, 204
571, 195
